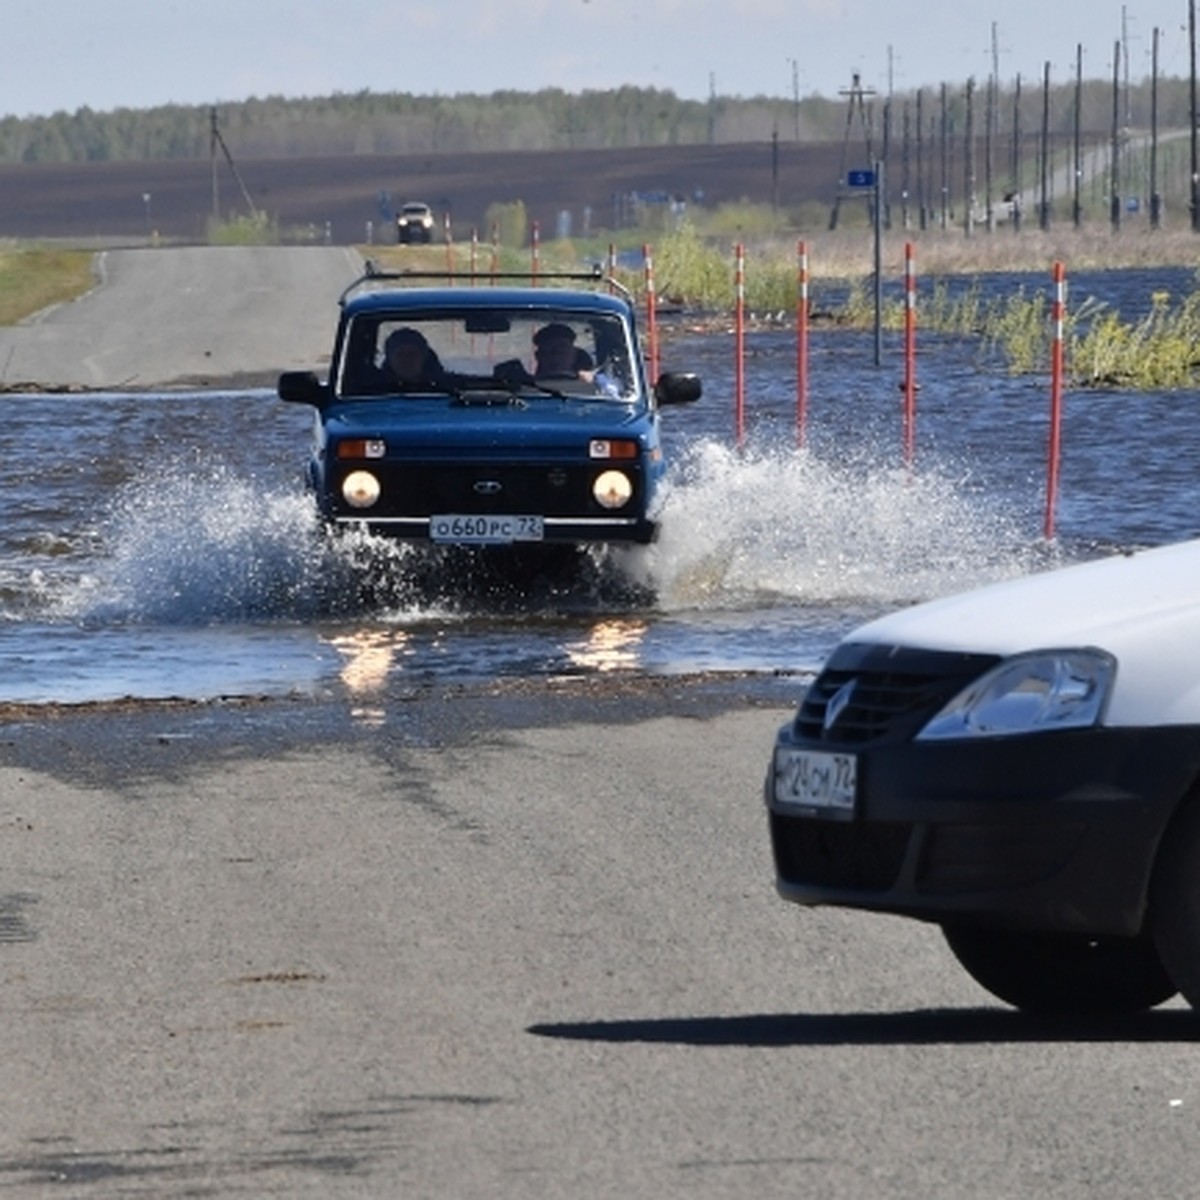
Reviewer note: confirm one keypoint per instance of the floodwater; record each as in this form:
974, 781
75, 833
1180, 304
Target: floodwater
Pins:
161, 546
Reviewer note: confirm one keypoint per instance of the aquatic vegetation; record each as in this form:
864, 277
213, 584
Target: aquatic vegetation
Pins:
1102, 348
1018, 328
1158, 352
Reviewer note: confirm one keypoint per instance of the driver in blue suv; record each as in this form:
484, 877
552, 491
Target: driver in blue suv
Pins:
409, 361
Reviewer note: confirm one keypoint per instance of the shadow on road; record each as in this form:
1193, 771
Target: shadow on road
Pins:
964, 1026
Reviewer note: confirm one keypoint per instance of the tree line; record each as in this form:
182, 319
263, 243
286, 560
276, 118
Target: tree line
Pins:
367, 123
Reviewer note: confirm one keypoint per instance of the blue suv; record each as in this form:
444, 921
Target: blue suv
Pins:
488, 415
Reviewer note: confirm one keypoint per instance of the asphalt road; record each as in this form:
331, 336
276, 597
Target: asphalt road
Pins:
478, 944
185, 316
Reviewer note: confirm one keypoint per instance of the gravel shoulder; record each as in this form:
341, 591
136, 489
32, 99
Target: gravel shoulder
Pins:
197, 316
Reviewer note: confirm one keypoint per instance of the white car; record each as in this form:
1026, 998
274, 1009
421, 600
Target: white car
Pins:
414, 223
1021, 765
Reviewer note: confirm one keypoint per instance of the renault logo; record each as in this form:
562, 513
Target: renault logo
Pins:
487, 487
837, 704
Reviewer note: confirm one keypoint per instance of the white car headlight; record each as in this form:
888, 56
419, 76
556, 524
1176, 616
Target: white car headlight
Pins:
1031, 693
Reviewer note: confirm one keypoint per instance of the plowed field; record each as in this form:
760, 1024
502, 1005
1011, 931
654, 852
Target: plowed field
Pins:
335, 198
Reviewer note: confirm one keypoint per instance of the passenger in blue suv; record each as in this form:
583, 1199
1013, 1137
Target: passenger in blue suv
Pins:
556, 355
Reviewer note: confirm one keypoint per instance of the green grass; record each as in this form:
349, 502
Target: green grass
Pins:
33, 278
256, 230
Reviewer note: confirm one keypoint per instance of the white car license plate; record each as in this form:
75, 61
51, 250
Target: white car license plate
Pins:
816, 780
469, 529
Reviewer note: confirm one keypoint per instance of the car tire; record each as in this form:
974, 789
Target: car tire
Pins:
1175, 901
1056, 974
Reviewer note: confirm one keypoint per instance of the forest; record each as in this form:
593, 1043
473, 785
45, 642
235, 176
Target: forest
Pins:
370, 123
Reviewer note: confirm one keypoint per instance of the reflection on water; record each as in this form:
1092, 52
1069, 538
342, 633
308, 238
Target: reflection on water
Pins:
368, 656
613, 644
367, 659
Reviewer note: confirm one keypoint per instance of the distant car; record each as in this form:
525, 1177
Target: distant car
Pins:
1021, 765
414, 223
478, 446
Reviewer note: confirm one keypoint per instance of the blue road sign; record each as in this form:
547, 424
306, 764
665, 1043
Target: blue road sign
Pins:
860, 179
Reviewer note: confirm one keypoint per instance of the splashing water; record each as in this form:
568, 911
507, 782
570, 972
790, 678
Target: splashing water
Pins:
744, 531
190, 549
738, 532
201, 580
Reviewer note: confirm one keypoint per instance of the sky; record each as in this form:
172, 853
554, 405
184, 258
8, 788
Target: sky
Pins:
62, 55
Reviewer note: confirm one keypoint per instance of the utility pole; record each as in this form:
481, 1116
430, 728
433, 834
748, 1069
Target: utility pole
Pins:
212, 161
1016, 157
1155, 198
886, 137
1076, 205
1194, 116
988, 147
1044, 198
992, 98
880, 190
1115, 202
215, 140
1125, 62
856, 107
775, 169
969, 163
796, 94
922, 194
945, 159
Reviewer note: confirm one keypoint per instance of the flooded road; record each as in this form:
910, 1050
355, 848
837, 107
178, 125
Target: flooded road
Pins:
161, 545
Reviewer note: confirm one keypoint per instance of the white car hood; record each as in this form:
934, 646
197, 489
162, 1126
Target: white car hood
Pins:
1143, 607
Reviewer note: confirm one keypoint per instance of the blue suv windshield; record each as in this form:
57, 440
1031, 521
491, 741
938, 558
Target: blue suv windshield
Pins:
568, 353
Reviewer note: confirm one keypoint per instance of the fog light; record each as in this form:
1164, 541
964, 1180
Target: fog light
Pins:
612, 489
361, 489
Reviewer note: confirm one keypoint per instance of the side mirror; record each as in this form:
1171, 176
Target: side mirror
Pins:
302, 387
677, 387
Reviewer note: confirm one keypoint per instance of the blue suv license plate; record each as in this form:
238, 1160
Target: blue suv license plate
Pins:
468, 529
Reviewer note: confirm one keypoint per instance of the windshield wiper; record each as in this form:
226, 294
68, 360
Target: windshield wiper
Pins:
547, 390
515, 389
441, 389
